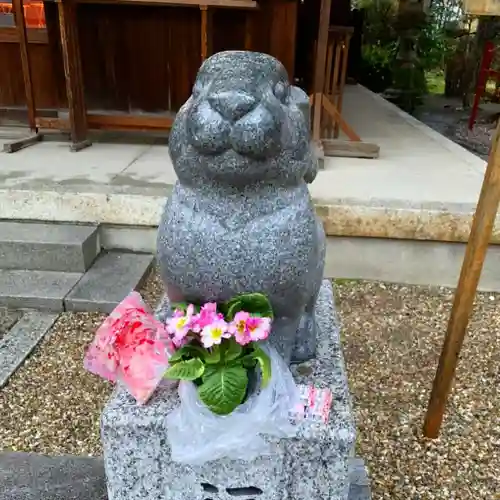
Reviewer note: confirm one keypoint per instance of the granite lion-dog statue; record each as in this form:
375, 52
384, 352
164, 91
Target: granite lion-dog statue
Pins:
240, 218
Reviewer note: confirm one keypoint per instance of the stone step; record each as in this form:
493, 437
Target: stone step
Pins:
17, 345
48, 247
44, 290
108, 281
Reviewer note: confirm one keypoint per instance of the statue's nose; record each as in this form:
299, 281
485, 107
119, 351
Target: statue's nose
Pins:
232, 105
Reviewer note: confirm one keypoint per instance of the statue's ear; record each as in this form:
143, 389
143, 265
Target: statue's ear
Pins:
300, 99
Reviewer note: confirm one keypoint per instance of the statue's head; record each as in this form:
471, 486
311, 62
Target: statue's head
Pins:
243, 123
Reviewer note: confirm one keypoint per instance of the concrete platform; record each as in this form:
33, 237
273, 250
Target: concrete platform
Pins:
423, 186
414, 203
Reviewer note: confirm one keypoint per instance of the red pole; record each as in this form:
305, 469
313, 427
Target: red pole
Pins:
484, 73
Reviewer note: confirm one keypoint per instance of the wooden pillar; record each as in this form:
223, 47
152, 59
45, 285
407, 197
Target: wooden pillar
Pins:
248, 30
343, 75
25, 61
283, 32
206, 32
477, 246
73, 74
22, 35
319, 68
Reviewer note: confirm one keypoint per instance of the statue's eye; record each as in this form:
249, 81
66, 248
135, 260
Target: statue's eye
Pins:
281, 91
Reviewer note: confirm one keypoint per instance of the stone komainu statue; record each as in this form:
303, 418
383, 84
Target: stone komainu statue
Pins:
240, 217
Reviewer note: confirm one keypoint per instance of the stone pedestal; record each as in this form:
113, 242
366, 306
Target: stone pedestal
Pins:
313, 465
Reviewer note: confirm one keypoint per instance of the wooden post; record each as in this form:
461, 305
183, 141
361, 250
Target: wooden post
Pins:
319, 68
480, 235
248, 30
73, 74
343, 75
25, 62
20, 22
206, 32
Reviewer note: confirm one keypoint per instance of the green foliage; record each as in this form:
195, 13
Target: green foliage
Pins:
256, 304
191, 369
434, 42
232, 350
221, 372
265, 365
377, 66
187, 352
435, 82
224, 389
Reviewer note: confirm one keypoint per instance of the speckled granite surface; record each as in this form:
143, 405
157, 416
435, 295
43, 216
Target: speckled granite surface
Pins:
314, 465
240, 217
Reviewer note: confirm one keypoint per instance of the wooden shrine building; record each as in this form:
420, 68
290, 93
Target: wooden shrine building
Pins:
78, 65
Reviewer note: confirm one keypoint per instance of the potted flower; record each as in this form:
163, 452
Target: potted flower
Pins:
217, 348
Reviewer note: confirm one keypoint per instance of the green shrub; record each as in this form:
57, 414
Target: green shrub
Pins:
377, 64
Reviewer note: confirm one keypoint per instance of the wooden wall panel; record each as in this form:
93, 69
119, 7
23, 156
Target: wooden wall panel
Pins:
11, 76
138, 57
229, 29
143, 58
283, 33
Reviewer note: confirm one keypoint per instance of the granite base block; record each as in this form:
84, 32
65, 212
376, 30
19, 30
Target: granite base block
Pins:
313, 465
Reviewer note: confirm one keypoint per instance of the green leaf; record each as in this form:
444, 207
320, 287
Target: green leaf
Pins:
187, 351
224, 389
213, 357
232, 350
182, 306
253, 303
265, 365
209, 371
186, 370
248, 361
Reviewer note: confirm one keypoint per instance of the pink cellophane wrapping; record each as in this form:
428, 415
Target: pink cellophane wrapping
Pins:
131, 347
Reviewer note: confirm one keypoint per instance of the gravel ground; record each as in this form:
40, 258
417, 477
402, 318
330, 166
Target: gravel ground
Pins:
392, 340
8, 318
392, 337
478, 140
52, 405
449, 118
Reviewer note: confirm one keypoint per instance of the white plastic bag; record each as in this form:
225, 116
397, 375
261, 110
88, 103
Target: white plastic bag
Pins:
196, 435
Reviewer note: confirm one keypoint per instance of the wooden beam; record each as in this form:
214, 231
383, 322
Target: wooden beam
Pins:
350, 149
52, 123
129, 122
475, 253
206, 32
35, 35
112, 122
12, 147
18, 10
319, 66
248, 31
232, 4
73, 72
343, 74
337, 117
